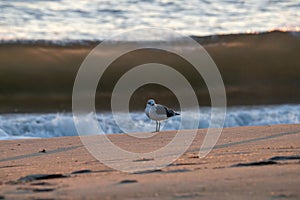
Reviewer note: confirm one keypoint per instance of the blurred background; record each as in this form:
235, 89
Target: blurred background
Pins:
255, 44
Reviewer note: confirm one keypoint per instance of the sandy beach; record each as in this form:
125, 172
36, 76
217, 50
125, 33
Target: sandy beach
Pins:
71, 69
247, 163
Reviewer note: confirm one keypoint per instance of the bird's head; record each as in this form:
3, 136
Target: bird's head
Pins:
150, 102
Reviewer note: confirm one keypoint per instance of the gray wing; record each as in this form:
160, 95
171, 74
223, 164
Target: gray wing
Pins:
167, 111
160, 110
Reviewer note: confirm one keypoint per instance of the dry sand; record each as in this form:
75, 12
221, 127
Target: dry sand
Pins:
247, 163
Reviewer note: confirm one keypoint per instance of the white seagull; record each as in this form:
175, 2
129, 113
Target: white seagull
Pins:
158, 112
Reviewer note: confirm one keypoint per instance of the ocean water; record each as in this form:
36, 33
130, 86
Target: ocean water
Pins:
61, 20
20, 126
39, 29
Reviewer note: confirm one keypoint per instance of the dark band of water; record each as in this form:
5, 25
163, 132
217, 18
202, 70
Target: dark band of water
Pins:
256, 69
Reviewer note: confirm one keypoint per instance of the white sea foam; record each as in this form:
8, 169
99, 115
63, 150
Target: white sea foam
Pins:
19, 126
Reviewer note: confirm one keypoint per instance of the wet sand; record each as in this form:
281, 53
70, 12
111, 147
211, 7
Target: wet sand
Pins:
247, 163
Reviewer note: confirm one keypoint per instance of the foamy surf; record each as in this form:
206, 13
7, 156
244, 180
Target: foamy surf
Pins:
21, 126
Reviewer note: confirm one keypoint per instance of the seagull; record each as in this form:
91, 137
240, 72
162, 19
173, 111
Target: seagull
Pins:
158, 112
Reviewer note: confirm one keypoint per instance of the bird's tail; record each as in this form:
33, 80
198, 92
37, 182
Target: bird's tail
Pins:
177, 113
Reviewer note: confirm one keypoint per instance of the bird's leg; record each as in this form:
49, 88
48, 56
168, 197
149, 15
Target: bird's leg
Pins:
158, 126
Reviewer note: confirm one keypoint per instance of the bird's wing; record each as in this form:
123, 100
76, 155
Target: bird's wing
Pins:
170, 112
160, 109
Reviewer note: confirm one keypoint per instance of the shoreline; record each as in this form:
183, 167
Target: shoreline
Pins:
202, 39
260, 162
48, 125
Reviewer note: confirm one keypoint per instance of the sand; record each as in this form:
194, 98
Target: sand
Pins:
247, 163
